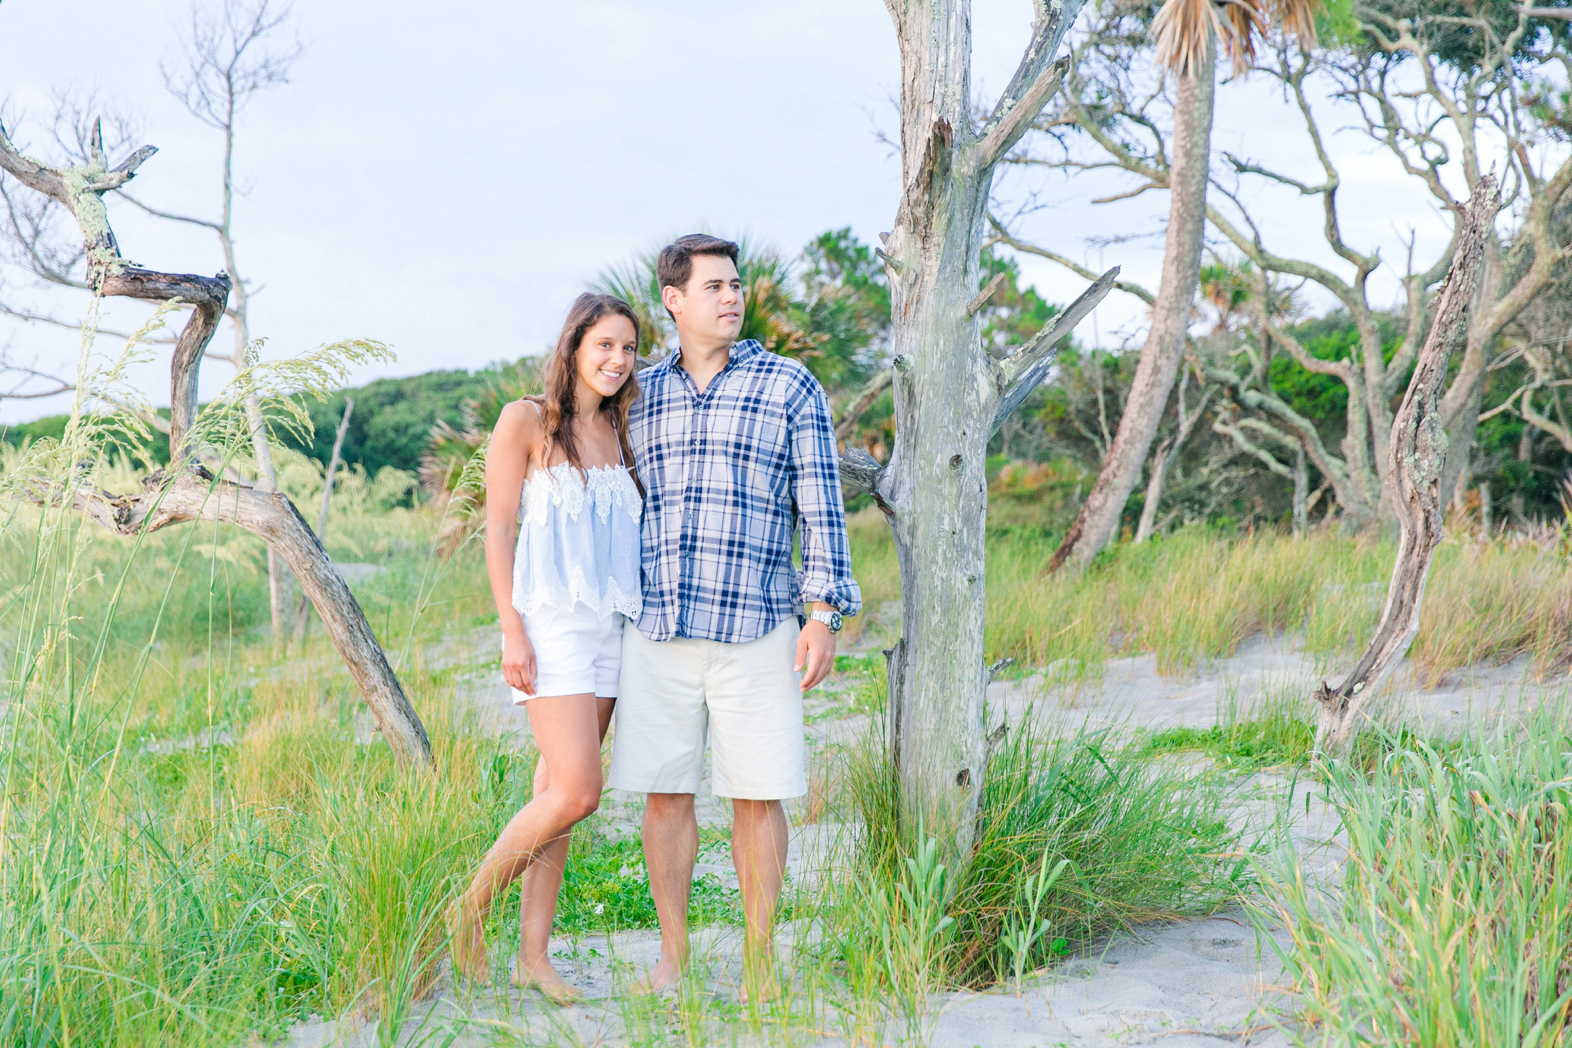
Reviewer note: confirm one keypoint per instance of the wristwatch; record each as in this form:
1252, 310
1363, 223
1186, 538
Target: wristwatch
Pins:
832, 619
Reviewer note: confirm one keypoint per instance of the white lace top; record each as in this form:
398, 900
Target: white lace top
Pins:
578, 541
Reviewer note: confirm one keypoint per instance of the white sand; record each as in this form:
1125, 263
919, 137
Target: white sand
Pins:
1206, 982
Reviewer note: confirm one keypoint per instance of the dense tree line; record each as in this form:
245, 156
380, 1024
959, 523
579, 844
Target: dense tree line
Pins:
830, 308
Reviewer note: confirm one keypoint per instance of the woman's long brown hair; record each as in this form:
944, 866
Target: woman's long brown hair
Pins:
557, 405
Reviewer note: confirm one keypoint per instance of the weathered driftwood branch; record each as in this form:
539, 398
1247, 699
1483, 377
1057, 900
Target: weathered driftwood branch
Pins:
860, 472
193, 494
189, 492
1418, 457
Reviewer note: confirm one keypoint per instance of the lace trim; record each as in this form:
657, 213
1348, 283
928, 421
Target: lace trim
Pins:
578, 591
606, 487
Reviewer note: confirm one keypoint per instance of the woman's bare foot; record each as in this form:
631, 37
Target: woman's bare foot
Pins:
664, 975
541, 976
468, 946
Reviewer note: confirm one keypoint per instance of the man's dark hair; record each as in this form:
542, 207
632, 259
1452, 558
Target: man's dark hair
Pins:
675, 264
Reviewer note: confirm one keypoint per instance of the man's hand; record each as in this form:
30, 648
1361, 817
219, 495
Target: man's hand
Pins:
815, 653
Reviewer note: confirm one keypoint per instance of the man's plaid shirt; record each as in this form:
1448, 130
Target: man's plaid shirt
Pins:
729, 474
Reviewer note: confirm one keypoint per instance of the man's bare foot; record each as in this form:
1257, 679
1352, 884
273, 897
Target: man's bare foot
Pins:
759, 983
468, 947
664, 975
542, 977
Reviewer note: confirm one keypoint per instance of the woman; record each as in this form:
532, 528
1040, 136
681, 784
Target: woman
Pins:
558, 472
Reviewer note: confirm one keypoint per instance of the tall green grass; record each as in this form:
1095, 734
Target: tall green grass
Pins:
1137, 840
1197, 595
196, 843
201, 843
1453, 922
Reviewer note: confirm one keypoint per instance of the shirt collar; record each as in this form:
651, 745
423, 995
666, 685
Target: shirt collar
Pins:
741, 353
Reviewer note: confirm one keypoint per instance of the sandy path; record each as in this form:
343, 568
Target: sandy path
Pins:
1207, 982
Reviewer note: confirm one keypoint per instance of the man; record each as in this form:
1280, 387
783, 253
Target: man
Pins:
736, 451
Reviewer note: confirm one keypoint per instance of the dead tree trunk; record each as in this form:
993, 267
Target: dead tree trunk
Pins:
188, 491
1418, 459
950, 396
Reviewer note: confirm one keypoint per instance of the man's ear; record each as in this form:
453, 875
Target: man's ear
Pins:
670, 297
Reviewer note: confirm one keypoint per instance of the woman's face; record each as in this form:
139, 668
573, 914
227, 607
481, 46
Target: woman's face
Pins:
605, 357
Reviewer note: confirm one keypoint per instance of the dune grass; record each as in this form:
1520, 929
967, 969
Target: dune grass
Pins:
1453, 922
196, 841
202, 842
1133, 841
1197, 595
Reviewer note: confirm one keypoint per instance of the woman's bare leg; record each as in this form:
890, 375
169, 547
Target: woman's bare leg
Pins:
566, 730
540, 886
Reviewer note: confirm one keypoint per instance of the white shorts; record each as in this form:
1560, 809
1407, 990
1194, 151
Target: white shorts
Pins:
745, 697
577, 652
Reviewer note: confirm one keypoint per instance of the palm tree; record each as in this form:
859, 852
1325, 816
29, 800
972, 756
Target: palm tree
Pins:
1187, 33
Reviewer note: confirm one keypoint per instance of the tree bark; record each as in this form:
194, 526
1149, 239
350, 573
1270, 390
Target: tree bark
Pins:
1301, 494
1098, 518
1417, 460
188, 491
948, 395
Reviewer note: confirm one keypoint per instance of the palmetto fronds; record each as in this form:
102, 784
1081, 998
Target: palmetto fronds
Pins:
1181, 29
452, 467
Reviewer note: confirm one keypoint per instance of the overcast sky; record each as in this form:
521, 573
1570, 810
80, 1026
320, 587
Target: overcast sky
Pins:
445, 177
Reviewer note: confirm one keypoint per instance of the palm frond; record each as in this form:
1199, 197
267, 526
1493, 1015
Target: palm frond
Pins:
1182, 29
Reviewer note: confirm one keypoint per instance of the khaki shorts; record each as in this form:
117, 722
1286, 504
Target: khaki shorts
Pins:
745, 697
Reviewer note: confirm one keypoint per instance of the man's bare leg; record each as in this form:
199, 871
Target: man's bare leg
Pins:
539, 888
671, 847
758, 850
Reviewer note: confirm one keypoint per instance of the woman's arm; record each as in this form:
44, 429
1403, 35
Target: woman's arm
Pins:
514, 442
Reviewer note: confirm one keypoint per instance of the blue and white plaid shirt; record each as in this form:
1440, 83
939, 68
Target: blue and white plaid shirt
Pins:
729, 475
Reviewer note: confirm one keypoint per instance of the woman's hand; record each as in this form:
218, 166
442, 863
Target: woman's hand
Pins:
518, 661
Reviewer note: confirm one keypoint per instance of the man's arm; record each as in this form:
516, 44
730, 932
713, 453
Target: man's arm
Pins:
827, 581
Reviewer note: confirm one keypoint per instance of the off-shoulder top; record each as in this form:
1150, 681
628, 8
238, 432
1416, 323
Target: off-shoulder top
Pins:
578, 541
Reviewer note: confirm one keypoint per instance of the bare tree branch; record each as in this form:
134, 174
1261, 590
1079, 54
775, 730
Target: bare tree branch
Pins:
1001, 235
170, 215
1005, 129
1022, 371
189, 492
195, 495
861, 403
1250, 447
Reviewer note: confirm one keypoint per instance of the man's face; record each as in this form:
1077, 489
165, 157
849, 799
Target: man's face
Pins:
710, 307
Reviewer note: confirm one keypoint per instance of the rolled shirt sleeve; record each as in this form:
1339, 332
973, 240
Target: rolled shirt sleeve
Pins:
826, 574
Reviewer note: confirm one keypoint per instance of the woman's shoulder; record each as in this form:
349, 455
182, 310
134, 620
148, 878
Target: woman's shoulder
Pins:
519, 426
522, 417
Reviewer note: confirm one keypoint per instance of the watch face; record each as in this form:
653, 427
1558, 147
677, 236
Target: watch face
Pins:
835, 622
